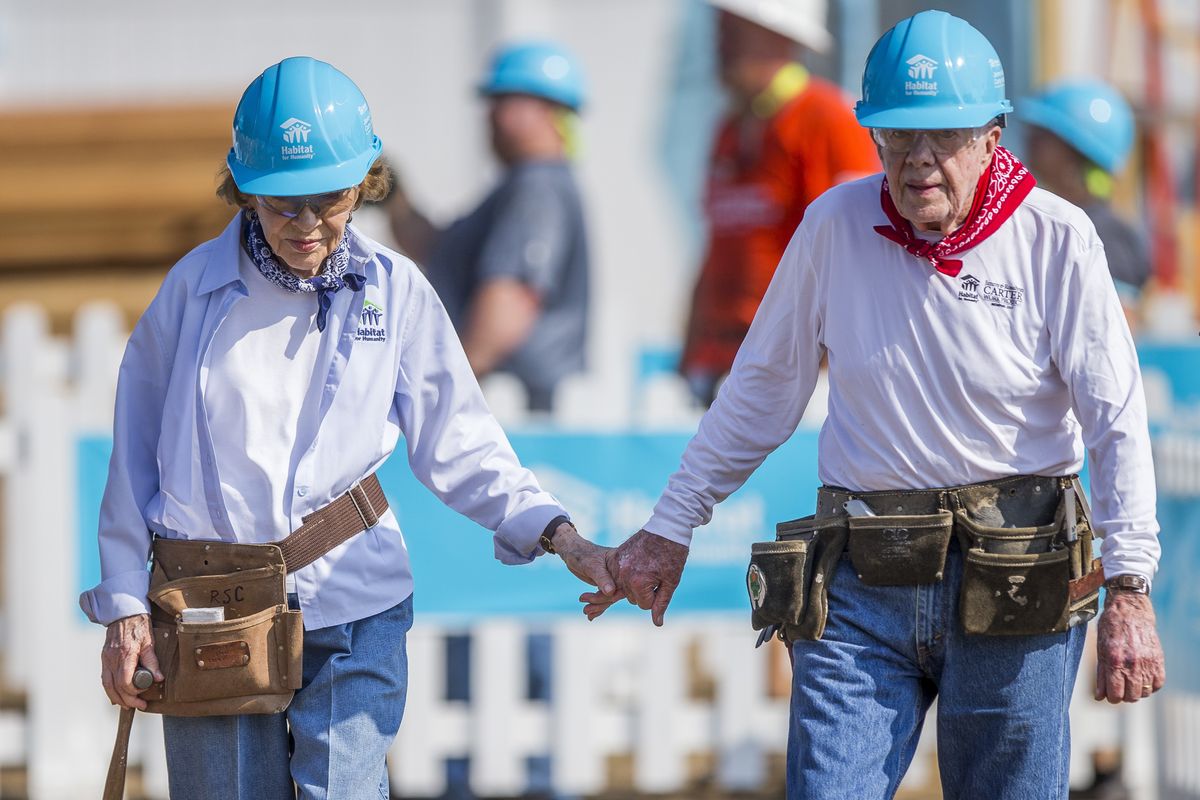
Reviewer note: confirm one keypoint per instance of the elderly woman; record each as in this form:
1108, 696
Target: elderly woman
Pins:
976, 349
271, 376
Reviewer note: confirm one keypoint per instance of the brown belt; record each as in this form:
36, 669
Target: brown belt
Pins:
345, 517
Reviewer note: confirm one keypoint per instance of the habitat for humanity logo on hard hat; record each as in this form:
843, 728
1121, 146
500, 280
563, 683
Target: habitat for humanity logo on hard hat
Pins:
295, 136
920, 70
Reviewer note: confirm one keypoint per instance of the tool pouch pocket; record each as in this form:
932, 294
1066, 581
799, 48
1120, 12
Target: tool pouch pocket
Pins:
240, 594
1015, 594
251, 662
777, 581
1009, 541
1016, 581
905, 550
826, 541
240, 660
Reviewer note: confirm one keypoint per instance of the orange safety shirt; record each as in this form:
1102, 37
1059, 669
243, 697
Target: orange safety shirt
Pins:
801, 139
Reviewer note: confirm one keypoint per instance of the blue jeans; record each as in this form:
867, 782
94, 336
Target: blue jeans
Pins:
859, 697
332, 740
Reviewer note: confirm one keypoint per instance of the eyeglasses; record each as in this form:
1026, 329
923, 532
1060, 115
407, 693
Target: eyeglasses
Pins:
944, 142
330, 204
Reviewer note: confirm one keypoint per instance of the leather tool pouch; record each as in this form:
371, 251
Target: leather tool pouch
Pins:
250, 663
777, 580
1024, 580
803, 588
902, 550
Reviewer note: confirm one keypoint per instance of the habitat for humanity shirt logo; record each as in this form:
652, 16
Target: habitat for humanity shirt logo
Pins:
370, 324
295, 137
1000, 295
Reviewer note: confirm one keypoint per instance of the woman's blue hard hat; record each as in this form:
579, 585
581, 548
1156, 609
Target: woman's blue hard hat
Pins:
302, 127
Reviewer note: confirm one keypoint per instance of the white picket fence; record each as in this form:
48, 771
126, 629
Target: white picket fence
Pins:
618, 687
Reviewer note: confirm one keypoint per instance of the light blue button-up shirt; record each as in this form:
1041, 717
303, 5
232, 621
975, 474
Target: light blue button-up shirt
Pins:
406, 373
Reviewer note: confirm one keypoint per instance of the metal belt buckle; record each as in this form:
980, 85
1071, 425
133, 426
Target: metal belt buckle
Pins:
366, 501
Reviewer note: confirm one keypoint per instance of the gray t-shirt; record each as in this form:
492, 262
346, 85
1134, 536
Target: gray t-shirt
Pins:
1126, 250
529, 228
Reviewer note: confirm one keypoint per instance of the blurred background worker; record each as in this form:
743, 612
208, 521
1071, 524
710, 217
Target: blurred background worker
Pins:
1080, 135
787, 137
513, 273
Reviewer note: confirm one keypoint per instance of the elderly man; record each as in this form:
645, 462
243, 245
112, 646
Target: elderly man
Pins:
975, 348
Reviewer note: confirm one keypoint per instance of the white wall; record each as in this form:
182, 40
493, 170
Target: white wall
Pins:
417, 61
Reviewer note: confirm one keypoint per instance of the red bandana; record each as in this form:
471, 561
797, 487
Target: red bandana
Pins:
1000, 190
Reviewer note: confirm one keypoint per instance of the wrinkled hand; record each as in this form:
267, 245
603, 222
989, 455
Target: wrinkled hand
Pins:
127, 643
648, 569
1129, 663
587, 561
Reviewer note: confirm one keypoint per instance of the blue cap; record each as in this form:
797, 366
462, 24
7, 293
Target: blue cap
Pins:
302, 127
932, 71
1089, 115
540, 69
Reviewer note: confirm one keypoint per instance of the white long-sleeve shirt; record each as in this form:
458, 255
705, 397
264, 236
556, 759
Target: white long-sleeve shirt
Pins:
1013, 367
389, 364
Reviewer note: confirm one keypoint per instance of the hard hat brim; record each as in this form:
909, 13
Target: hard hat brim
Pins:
280, 183
497, 88
933, 118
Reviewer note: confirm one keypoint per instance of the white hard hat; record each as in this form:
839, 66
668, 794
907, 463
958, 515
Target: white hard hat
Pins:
802, 21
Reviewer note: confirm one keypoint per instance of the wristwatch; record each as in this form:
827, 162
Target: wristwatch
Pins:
546, 540
1128, 583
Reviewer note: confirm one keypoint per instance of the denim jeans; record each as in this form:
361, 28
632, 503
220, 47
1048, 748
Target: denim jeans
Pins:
332, 740
859, 697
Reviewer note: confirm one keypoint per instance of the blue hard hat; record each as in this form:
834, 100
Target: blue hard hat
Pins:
302, 127
932, 71
540, 69
1089, 115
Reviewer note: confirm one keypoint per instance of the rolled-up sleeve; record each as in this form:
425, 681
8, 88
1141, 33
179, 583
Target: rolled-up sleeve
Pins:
123, 537
456, 447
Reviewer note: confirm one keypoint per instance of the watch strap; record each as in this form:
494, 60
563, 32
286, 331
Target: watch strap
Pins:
546, 540
1128, 583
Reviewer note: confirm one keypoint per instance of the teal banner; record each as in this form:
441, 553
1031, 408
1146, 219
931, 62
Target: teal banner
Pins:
610, 481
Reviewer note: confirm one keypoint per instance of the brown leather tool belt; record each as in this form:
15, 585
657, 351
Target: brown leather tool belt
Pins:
1026, 542
247, 658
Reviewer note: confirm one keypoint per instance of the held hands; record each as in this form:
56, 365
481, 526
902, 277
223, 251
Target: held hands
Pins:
648, 569
127, 642
1129, 663
589, 562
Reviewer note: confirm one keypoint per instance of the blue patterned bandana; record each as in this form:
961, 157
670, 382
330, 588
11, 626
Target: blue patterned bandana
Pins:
333, 277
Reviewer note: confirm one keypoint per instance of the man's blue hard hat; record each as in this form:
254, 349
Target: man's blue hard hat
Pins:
302, 127
1089, 115
540, 69
932, 71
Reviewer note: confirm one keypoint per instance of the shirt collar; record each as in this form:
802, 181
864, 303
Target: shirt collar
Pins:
221, 268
